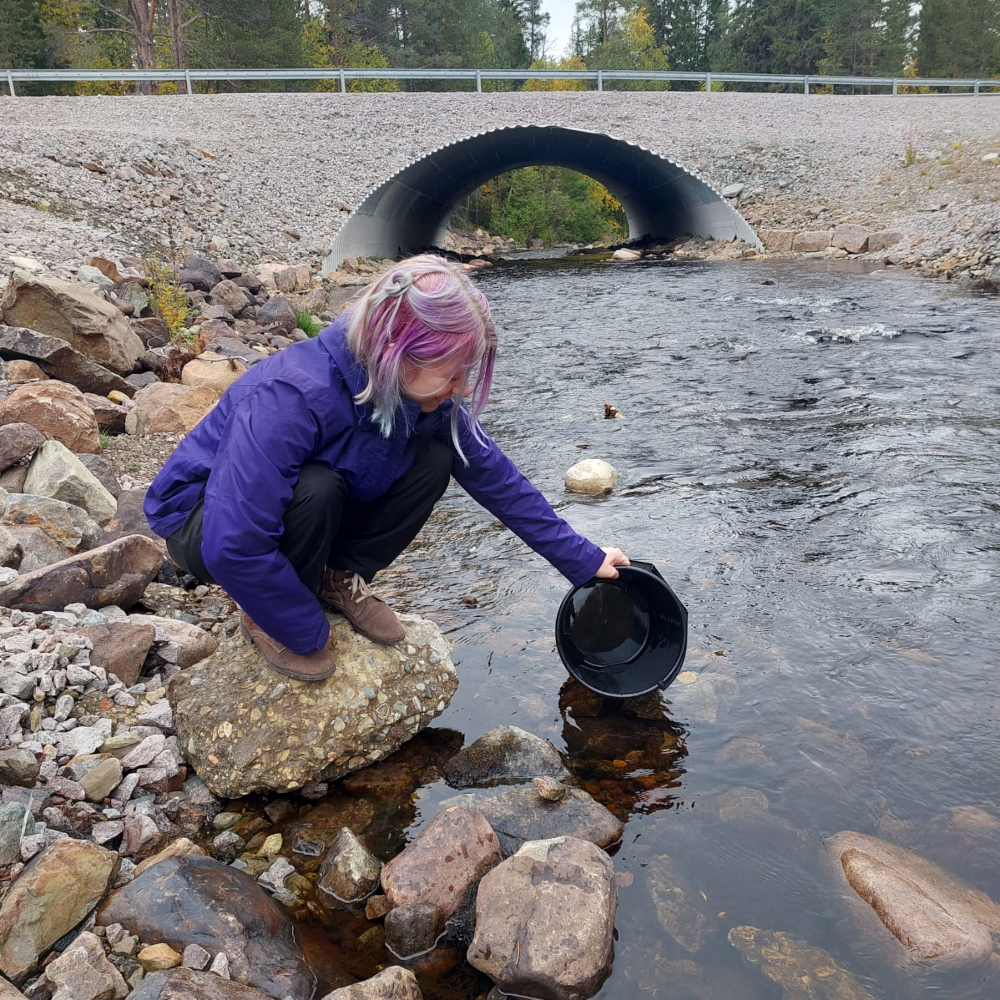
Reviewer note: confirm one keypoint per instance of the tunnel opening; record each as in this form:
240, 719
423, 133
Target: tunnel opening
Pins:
411, 210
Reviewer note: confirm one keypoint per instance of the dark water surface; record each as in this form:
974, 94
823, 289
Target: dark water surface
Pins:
812, 465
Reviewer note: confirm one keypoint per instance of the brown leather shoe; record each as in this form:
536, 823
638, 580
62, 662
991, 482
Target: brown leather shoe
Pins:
348, 593
303, 667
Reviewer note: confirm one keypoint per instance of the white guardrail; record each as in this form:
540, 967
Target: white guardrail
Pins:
977, 88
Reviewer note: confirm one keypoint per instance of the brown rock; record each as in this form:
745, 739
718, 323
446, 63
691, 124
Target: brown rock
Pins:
175, 849
23, 371
153, 332
71, 527
83, 972
230, 296
812, 241
17, 442
116, 573
110, 416
186, 984
70, 312
129, 519
192, 642
393, 983
277, 312
102, 471
12, 479
8, 992
212, 371
11, 549
777, 240
58, 409
445, 860
168, 408
883, 240
49, 898
119, 647
853, 239
156, 957
99, 782
349, 872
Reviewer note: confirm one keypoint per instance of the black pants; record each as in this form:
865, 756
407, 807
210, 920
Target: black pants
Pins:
322, 528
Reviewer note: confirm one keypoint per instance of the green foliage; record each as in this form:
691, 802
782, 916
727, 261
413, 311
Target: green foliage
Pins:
105, 437
959, 38
632, 46
166, 297
544, 202
307, 323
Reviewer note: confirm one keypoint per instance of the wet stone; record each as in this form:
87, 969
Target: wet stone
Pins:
413, 930
678, 905
349, 871
188, 984
394, 983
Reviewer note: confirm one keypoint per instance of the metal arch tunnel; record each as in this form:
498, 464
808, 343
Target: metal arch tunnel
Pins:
412, 209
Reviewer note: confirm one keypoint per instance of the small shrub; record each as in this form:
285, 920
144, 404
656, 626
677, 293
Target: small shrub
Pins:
911, 156
166, 297
105, 439
307, 323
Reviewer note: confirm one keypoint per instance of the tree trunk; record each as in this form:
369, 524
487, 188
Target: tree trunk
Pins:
178, 40
143, 12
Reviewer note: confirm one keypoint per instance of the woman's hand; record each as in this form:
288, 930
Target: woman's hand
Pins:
612, 558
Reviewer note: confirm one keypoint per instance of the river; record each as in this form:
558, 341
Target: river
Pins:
809, 456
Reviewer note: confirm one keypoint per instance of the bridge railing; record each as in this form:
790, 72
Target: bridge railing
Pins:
189, 77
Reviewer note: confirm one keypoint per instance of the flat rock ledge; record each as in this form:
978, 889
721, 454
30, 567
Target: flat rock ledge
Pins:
246, 728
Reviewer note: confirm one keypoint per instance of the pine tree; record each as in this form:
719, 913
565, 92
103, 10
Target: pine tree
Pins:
22, 42
959, 38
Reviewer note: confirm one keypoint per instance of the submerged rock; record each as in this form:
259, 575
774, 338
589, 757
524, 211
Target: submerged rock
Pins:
394, 983
349, 872
505, 755
520, 815
929, 917
197, 900
803, 971
246, 728
677, 905
545, 921
413, 930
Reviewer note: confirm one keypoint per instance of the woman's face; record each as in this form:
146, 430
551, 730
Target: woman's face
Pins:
432, 385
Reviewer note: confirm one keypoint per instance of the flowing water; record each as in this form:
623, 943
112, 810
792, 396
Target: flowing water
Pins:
809, 456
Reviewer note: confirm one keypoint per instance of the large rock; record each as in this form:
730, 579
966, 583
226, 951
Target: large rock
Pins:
777, 240
812, 241
199, 272
393, 983
11, 550
39, 549
49, 898
56, 472
8, 992
130, 519
58, 409
70, 312
230, 296
349, 872
521, 814
545, 921
803, 971
187, 984
277, 312
57, 359
197, 900
103, 472
678, 906
212, 371
593, 476
883, 240
18, 767
187, 643
168, 408
116, 573
446, 859
120, 647
927, 917
71, 526
504, 755
853, 239
110, 416
245, 728
83, 972
17, 442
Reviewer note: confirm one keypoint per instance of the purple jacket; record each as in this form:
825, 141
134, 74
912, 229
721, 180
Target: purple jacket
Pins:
298, 406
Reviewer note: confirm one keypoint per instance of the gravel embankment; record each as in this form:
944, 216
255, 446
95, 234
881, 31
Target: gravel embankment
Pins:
262, 176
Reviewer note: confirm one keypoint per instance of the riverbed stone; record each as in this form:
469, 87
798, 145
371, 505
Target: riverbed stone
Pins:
443, 862
504, 755
393, 983
593, 476
49, 898
413, 930
18, 441
927, 917
812, 241
189, 984
212, 371
545, 920
520, 815
168, 408
700, 697
155, 957
777, 240
245, 728
120, 648
72, 313
678, 905
187, 644
116, 573
14, 817
70, 526
18, 767
99, 782
803, 971
850, 237
192, 899
349, 872
83, 972
883, 239
59, 410
56, 472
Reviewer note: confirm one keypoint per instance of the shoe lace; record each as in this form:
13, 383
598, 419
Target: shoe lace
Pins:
359, 589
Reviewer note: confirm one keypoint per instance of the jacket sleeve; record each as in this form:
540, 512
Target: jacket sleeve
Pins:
270, 433
493, 481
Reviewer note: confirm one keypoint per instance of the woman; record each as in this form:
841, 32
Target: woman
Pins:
320, 465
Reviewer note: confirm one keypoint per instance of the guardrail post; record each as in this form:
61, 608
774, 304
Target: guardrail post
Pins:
975, 89
479, 82
895, 87
343, 83
10, 83
188, 83
600, 82
708, 83
805, 85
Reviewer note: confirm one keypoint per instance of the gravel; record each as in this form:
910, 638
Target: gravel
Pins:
260, 177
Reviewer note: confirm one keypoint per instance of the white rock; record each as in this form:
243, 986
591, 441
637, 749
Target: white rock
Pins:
593, 476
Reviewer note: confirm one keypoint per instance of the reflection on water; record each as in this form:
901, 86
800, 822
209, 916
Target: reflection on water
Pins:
813, 468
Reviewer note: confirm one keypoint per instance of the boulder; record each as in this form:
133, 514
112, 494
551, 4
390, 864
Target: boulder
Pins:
119, 647
413, 930
812, 241
12, 480
130, 519
803, 971
57, 473
853, 239
928, 918
246, 728
521, 814
168, 408
444, 862
152, 331
58, 409
593, 476
116, 573
18, 767
39, 549
883, 240
545, 921
74, 314
103, 472
777, 240
678, 906
199, 272
187, 984
230, 296
110, 416
393, 983
69, 526
83, 972
11, 550
624, 253
212, 371
277, 312
49, 898
187, 643
19, 372
17, 442
14, 817
349, 872
700, 697
284, 278
54, 358
505, 755
8, 992
192, 899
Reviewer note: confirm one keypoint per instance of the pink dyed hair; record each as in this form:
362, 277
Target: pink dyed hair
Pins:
426, 311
